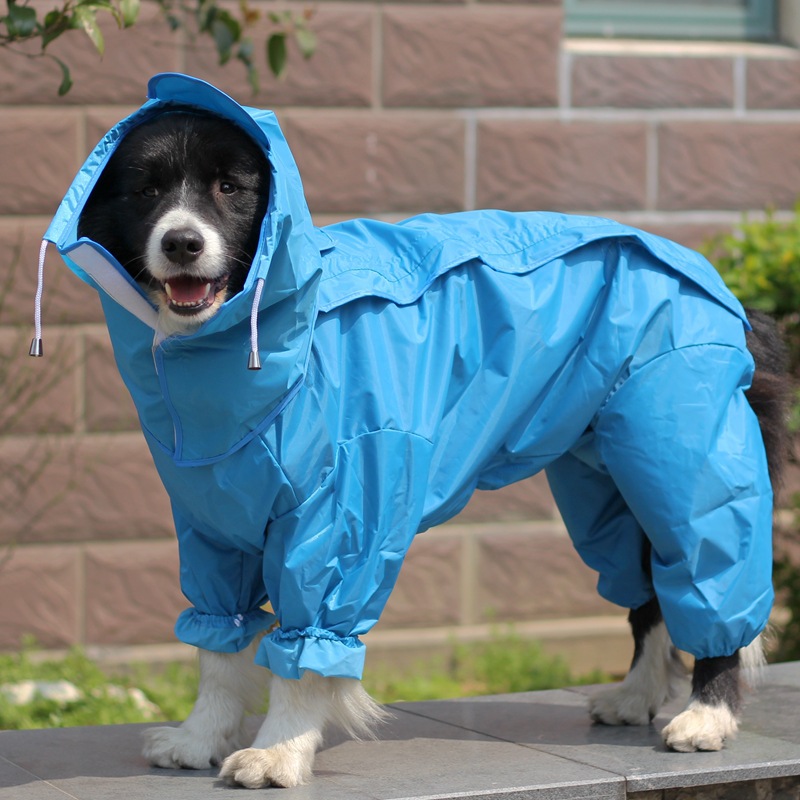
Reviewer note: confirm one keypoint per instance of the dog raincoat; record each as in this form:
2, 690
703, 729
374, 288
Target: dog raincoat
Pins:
404, 366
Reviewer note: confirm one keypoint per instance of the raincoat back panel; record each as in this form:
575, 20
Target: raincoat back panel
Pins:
487, 378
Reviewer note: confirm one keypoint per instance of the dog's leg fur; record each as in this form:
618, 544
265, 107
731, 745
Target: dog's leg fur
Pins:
230, 685
283, 751
654, 677
712, 715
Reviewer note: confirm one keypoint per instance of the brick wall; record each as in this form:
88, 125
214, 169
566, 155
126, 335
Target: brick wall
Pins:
406, 107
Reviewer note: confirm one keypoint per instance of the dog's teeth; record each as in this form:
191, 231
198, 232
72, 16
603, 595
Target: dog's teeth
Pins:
207, 289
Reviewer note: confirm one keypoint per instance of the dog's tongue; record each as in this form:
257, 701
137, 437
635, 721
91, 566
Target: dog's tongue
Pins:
187, 290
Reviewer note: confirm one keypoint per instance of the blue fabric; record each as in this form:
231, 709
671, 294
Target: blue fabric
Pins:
406, 365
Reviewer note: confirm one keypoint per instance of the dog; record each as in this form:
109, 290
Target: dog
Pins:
180, 205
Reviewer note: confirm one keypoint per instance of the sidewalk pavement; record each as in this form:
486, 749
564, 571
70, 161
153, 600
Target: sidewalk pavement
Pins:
508, 747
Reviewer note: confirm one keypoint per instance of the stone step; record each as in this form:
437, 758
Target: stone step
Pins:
531, 746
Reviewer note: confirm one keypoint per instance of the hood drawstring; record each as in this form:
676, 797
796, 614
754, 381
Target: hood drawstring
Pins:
36, 344
254, 362
37, 350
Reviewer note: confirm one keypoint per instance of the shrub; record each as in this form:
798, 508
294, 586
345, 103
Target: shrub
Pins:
760, 263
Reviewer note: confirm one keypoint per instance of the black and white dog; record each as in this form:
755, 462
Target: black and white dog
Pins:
179, 205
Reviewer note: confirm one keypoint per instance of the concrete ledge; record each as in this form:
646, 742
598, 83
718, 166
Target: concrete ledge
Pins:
510, 747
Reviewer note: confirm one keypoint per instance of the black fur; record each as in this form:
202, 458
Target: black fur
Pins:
642, 621
769, 394
187, 160
716, 682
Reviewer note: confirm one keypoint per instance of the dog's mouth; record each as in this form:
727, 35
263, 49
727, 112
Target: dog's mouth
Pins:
187, 295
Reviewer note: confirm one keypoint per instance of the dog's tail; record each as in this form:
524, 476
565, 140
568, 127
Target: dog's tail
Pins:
770, 391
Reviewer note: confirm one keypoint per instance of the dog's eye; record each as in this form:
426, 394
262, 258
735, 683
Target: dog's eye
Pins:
150, 191
226, 187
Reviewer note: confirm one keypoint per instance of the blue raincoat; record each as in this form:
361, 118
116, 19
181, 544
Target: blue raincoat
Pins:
406, 365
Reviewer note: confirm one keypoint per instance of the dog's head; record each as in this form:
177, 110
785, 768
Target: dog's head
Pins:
180, 206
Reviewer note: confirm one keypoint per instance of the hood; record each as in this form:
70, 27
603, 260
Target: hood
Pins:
200, 408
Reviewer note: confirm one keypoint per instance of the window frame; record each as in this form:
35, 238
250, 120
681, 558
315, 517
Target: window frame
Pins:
692, 19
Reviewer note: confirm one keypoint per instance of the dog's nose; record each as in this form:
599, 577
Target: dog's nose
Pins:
182, 245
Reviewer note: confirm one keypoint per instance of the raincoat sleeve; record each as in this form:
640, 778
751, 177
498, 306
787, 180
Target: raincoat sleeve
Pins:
331, 564
683, 446
226, 590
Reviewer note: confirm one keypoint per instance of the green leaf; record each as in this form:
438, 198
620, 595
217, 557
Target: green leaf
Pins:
55, 23
21, 21
66, 78
86, 18
226, 31
244, 53
130, 11
306, 40
276, 53
206, 12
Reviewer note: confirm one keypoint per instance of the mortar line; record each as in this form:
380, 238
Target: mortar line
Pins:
470, 161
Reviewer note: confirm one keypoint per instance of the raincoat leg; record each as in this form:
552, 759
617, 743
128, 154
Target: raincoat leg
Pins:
226, 590
603, 529
683, 447
332, 562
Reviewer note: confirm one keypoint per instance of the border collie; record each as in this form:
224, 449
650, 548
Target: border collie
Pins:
179, 205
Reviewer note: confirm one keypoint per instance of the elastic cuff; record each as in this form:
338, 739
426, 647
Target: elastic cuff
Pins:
289, 653
221, 634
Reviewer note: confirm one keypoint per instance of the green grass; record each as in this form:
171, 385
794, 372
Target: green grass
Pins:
104, 700
506, 663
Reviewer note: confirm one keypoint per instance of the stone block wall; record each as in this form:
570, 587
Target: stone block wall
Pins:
406, 107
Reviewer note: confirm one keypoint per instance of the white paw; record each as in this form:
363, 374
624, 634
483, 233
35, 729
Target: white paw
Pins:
700, 727
255, 768
176, 748
622, 705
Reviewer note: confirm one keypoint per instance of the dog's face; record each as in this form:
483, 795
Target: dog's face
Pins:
180, 206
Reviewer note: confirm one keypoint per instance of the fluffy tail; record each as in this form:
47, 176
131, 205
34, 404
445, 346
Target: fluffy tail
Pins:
769, 394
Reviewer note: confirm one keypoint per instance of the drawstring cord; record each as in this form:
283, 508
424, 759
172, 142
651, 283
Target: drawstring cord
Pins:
254, 362
36, 344
36, 349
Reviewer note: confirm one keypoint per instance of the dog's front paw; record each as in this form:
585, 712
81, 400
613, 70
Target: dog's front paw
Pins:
622, 705
179, 748
700, 727
256, 768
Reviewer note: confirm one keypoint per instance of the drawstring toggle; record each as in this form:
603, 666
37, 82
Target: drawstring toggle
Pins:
254, 361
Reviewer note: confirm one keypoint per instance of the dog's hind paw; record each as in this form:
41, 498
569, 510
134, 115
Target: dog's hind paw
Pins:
179, 748
622, 706
256, 768
700, 727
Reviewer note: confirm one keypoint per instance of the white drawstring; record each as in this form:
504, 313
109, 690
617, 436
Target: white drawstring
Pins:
36, 345
254, 362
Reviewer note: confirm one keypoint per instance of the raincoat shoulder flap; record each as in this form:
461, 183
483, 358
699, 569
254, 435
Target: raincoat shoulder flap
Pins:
398, 262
